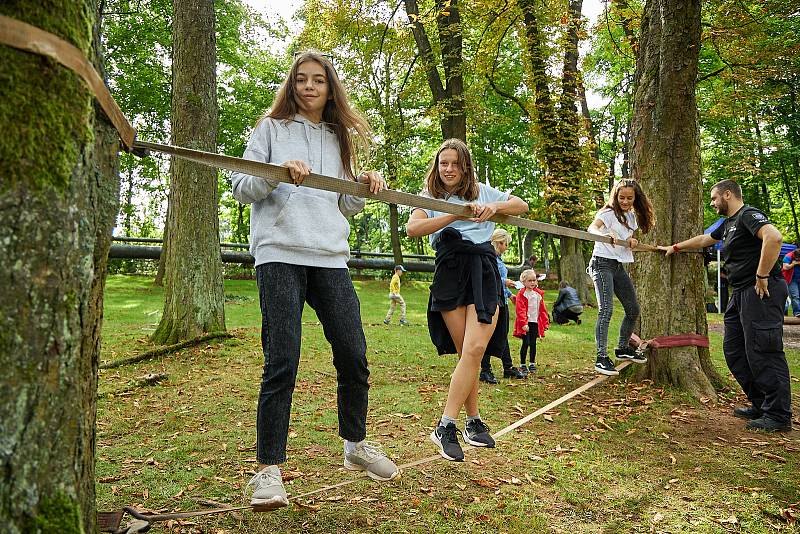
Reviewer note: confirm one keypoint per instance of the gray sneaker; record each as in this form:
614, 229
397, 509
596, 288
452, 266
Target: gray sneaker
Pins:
268, 492
369, 457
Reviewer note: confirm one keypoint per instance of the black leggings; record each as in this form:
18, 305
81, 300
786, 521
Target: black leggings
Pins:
529, 340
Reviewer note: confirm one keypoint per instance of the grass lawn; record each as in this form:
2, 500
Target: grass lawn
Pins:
623, 457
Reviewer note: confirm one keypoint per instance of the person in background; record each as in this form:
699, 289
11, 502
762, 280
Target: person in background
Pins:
500, 241
298, 237
395, 298
753, 342
567, 306
532, 319
792, 277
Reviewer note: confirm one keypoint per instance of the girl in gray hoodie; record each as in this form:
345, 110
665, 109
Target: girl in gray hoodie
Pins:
298, 237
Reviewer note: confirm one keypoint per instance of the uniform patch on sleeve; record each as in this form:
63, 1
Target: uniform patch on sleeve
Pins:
759, 216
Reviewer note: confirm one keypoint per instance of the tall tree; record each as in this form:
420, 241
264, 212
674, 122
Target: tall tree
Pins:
193, 290
58, 201
450, 94
559, 133
665, 158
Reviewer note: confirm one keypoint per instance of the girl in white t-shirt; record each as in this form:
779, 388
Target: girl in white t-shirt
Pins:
466, 292
626, 211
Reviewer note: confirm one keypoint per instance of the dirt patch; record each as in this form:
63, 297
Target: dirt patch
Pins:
791, 334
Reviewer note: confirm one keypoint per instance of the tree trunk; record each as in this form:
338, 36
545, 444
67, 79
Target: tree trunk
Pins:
193, 289
59, 199
573, 269
665, 158
394, 223
162, 260
453, 120
788, 190
559, 135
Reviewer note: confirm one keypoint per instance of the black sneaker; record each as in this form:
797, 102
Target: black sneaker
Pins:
630, 353
768, 424
488, 377
445, 437
512, 372
476, 433
751, 412
605, 367
523, 369
532, 369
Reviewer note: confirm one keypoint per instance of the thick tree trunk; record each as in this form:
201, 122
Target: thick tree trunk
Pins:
449, 94
58, 202
665, 158
193, 290
162, 260
394, 223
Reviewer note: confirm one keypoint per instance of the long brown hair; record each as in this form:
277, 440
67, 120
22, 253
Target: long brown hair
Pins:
641, 205
337, 112
468, 187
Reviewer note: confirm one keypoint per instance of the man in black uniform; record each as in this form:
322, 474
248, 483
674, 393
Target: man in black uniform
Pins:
753, 343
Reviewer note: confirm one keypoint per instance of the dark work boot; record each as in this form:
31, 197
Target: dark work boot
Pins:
512, 372
768, 424
488, 377
750, 412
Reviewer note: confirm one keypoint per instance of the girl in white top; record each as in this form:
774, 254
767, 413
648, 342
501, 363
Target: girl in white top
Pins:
626, 211
462, 243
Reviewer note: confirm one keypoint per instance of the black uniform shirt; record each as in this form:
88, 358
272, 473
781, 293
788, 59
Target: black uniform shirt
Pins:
741, 249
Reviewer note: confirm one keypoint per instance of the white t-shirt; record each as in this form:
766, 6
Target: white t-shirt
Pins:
534, 300
472, 231
621, 253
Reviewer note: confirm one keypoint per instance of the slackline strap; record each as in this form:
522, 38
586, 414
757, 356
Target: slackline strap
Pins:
32, 39
676, 340
279, 173
497, 435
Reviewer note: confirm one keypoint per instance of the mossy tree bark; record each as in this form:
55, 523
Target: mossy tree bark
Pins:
665, 158
193, 290
59, 197
559, 134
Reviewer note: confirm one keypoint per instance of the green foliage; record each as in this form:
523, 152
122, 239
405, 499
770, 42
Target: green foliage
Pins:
138, 43
748, 81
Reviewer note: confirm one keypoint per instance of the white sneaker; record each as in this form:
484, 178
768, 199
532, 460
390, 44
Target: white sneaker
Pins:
369, 457
268, 492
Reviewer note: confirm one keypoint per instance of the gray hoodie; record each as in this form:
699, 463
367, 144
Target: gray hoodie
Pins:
291, 224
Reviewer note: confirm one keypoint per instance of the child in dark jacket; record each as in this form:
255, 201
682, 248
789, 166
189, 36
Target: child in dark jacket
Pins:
532, 318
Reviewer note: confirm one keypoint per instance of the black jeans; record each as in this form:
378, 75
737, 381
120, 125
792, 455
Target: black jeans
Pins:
529, 340
610, 278
505, 357
753, 346
283, 289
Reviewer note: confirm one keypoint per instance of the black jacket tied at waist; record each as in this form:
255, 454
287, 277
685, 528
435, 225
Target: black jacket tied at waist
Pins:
465, 273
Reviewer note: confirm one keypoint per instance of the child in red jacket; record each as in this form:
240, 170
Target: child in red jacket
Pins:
532, 318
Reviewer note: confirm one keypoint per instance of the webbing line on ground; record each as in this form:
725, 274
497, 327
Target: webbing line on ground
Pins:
421, 461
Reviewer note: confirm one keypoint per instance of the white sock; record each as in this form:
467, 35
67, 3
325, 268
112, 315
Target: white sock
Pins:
350, 446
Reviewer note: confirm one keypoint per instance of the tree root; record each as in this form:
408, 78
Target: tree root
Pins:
165, 350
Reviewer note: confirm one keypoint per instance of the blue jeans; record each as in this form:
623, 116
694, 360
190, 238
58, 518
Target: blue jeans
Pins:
283, 289
794, 295
610, 278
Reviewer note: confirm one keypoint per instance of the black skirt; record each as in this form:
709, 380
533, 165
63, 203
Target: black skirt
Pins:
465, 273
